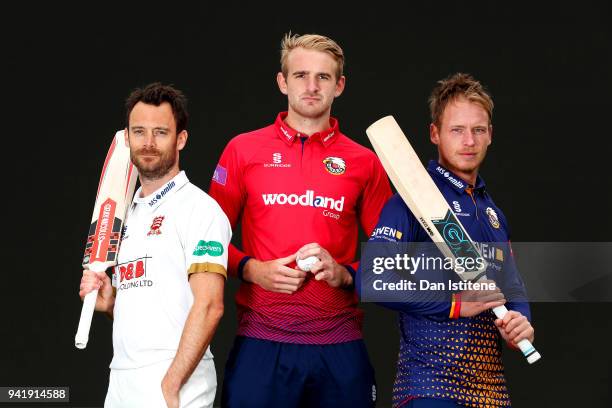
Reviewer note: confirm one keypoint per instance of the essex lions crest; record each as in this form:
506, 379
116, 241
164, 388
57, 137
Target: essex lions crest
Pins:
492, 217
156, 225
334, 165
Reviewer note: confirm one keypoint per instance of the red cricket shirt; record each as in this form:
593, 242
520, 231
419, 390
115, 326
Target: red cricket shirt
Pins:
290, 190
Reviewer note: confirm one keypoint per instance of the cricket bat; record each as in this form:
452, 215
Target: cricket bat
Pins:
115, 193
421, 195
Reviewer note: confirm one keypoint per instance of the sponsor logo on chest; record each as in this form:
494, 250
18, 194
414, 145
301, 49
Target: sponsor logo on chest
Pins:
388, 233
492, 254
457, 209
331, 207
308, 199
277, 162
133, 274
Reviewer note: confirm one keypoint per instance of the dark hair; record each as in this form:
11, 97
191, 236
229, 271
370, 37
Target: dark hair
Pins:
156, 94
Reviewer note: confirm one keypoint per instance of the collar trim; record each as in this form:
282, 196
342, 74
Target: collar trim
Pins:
451, 178
289, 135
156, 198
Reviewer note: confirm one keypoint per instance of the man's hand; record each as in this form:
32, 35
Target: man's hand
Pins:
474, 302
274, 275
515, 327
171, 392
100, 280
327, 268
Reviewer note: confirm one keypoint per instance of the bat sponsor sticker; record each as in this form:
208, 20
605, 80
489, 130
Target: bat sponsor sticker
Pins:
104, 234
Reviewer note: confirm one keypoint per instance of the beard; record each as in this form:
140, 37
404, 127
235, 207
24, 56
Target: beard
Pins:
156, 168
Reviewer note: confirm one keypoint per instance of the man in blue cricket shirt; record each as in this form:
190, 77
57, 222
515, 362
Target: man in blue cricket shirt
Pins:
450, 348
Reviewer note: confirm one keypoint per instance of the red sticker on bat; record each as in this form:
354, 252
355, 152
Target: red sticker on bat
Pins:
104, 231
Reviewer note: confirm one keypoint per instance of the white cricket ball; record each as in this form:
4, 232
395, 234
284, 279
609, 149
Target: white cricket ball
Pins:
306, 264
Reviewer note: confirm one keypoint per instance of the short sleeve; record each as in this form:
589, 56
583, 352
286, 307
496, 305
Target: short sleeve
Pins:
207, 241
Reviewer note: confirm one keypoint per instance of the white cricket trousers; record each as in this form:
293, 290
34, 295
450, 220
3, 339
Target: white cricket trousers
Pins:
141, 387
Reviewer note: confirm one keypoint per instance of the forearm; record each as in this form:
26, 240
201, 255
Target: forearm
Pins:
105, 303
199, 329
347, 280
435, 310
372, 287
110, 313
521, 307
110, 305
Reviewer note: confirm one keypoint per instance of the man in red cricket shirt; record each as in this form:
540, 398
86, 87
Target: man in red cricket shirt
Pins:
300, 188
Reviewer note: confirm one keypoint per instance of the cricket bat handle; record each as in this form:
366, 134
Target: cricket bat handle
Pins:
525, 345
89, 305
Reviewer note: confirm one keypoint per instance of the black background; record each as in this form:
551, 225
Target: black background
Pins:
68, 70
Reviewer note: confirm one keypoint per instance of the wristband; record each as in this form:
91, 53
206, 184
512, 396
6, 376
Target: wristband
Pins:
455, 308
351, 272
457, 305
243, 262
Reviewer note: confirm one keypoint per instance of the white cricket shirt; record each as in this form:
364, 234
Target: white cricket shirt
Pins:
176, 231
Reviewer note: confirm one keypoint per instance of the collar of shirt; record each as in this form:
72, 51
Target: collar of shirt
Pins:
155, 199
456, 182
289, 135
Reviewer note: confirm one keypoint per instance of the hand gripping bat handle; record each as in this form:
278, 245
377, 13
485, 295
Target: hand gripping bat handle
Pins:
525, 345
89, 305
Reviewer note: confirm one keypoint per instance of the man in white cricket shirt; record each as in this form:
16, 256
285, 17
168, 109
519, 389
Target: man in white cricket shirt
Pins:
166, 294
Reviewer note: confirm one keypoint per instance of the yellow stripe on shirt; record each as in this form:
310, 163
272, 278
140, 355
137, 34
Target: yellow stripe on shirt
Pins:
207, 267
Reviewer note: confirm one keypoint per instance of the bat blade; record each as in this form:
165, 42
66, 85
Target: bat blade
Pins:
115, 192
430, 208
421, 194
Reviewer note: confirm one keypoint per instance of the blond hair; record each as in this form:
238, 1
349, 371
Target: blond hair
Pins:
311, 42
456, 86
